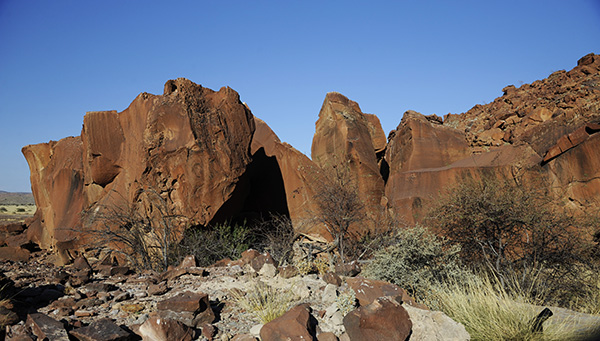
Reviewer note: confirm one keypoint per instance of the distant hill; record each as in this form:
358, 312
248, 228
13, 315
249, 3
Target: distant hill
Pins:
16, 198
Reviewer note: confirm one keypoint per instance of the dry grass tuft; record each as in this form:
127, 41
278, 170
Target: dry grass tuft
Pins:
489, 312
264, 302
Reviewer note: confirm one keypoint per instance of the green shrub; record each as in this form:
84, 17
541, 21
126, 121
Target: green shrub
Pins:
414, 260
210, 245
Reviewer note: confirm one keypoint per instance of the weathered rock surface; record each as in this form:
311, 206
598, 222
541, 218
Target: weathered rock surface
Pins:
368, 290
160, 329
545, 129
201, 154
434, 325
343, 138
383, 319
101, 330
296, 324
189, 147
56, 170
46, 328
300, 176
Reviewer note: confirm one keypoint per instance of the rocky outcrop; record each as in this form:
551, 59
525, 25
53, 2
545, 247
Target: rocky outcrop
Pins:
202, 155
188, 148
57, 181
299, 177
344, 138
543, 131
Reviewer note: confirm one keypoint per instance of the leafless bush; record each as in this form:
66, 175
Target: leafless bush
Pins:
515, 230
339, 205
144, 231
276, 235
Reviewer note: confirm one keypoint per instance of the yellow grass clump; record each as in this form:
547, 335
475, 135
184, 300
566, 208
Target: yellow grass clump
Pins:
489, 312
264, 302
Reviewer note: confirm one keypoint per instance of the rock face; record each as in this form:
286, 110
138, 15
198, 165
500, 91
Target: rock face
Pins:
547, 128
298, 175
189, 147
344, 138
201, 154
57, 185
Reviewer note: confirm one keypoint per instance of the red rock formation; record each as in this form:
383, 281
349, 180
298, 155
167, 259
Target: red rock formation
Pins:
544, 129
189, 146
57, 186
344, 138
206, 157
299, 175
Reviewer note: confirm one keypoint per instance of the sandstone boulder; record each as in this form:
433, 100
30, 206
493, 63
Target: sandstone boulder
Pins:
295, 325
383, 319
186, 149
101, 330
434, 325
368, 290
46, 328
192, 309
56, 170
160, 329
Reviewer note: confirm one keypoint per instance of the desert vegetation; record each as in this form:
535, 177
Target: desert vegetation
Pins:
490, 253
505, 250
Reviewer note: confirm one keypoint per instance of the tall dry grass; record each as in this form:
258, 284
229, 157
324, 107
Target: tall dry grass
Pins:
490, 311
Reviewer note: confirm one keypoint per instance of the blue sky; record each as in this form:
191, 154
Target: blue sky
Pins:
59, 59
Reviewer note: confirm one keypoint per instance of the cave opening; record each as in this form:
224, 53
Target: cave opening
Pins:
259, 193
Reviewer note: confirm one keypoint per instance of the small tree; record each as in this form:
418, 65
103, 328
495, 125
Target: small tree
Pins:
339, 204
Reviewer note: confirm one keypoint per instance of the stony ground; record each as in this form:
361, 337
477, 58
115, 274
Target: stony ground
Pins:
93, 289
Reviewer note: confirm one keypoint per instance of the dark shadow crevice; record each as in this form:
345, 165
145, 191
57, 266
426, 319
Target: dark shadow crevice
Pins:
259, 192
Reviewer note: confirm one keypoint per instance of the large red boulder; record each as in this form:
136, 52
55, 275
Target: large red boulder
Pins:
383, 319
296, 324
57, 181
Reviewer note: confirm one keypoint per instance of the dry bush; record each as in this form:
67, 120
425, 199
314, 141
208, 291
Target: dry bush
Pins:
519, 232
145, 232
339, 205
276, 235
214, 243
415, 259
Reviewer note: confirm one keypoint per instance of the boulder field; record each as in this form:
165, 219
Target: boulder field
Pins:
208, 158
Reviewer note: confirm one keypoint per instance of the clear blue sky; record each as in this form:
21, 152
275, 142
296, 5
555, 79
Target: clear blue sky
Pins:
59, 59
